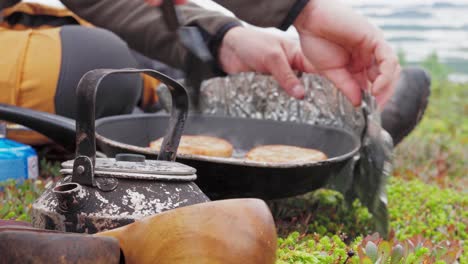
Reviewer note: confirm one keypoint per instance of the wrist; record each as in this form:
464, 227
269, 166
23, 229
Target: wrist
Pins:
218, 43
306, 16
227, 48
230, 38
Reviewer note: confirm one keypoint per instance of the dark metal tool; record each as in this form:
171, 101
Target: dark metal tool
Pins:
190, 37
372, 172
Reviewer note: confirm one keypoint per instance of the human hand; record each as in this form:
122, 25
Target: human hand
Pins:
159, 2
347, 49
246, 49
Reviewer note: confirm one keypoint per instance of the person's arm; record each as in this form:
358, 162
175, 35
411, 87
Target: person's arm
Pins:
143, 27
340, 44
336, 41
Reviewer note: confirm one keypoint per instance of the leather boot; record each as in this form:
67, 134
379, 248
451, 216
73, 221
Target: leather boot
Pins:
406, 107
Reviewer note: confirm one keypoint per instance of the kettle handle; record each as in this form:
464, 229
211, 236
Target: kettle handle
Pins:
83, 168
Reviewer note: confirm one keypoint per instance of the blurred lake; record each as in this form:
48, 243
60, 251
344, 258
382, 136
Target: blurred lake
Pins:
421, 27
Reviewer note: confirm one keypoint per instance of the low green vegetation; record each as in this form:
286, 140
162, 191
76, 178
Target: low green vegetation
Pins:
323, 212
434, 218
416, 208
16, 199
427, 197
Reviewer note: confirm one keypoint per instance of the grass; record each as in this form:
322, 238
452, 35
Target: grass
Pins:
428, 205
16, 199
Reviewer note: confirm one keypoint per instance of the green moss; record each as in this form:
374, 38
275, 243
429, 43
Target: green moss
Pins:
424, 214
50, 169
418, 208
323, 212
311, 249
16, 199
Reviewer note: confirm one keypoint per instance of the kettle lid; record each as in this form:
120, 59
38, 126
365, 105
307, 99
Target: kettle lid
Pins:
137, 167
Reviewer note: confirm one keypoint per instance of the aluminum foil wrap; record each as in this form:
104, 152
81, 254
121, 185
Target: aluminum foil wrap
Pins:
258, 96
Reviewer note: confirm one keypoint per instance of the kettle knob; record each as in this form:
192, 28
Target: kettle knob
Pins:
130, 157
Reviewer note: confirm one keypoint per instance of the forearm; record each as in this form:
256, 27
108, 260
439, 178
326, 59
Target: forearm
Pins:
266, 13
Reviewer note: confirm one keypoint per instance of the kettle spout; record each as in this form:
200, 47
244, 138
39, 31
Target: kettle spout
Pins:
70, 196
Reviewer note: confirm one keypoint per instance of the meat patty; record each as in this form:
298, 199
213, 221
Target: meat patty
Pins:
284, 154
200, 145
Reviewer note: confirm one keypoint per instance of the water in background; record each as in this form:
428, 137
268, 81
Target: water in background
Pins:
421, 27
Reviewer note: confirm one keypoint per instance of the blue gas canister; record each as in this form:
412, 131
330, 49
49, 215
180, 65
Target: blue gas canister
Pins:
17, 161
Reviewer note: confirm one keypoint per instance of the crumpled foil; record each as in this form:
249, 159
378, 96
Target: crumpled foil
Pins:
252, 95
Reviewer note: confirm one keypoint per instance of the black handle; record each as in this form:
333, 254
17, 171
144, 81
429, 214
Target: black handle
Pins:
85, 128
58, 128
189, 36
170, 15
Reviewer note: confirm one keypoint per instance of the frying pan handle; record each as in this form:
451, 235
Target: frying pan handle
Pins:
58, 128
85, 121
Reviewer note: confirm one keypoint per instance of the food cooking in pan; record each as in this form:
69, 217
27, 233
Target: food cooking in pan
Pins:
200, 145
284, 154
218, 147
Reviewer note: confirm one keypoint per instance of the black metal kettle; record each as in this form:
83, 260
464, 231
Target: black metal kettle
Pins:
98, 194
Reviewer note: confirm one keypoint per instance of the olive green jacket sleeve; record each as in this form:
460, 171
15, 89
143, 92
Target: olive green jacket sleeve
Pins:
143, 28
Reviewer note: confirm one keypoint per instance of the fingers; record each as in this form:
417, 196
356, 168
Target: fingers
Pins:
265, 53
362, 55
361, 80
346, 83
278, 65
383, 98
373, 72
296, 57
388, 65
302, 64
